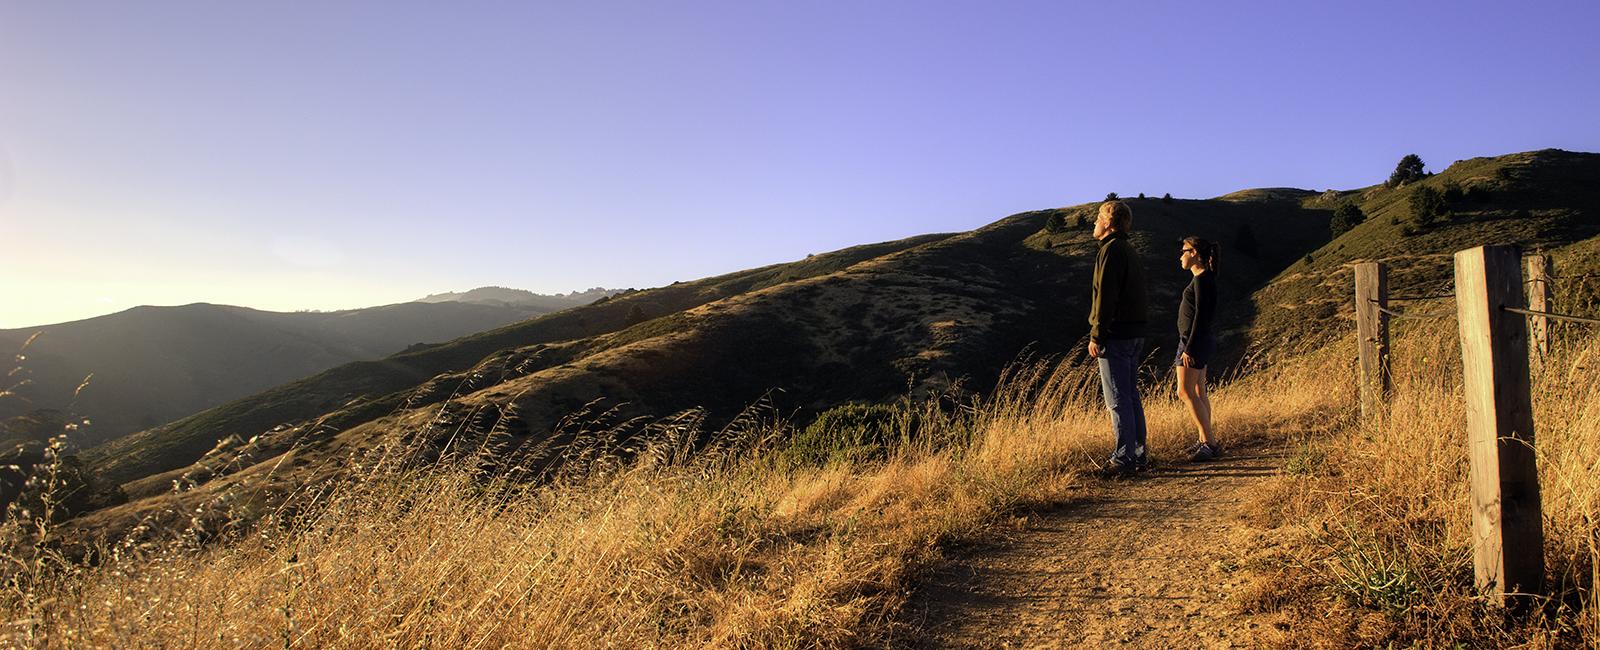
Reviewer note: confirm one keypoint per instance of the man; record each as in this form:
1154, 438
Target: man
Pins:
1116, 333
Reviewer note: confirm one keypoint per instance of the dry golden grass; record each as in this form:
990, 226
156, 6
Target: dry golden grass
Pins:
722, 548
735, 547
1375, 543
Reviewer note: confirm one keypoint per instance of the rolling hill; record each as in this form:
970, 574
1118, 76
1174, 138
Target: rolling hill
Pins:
926, 315
1546, 200
866, 323
152, 365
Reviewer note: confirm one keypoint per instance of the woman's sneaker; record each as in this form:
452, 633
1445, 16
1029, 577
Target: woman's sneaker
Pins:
1202, 452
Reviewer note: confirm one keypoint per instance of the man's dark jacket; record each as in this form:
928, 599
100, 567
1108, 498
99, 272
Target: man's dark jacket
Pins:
1118, 308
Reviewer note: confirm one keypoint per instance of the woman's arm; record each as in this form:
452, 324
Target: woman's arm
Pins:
1199, 305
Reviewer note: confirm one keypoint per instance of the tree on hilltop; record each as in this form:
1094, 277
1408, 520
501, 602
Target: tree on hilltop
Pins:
1166, 198
1111, 196
1408, 171
1347, 216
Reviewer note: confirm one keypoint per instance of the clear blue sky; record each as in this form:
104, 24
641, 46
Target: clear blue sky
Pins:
330, 155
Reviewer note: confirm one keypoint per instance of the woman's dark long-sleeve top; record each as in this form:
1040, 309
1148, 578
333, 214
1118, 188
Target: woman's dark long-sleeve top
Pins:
1198, 312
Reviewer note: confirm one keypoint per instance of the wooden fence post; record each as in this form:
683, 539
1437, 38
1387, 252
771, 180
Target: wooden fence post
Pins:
1372, 331
1538, 300
1508, 534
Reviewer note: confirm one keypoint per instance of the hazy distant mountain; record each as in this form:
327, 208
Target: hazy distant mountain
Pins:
869, 322
152, 365
521, 297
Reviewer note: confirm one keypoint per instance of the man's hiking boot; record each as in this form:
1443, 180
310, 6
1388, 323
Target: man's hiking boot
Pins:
1203, 452
1119, 469
1115, 469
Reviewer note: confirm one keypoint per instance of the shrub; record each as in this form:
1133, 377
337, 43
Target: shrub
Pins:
1346, 217
853, 431
1306, 458
1372, 572
1427, 204
1056, 223
1141, 195
1409, 170
1166, 198
1453, 193
1478, 194
1111, 196
636, 315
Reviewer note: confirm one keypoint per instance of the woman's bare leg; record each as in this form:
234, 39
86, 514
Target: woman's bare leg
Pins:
1192, 390
1203, 400
1184, 394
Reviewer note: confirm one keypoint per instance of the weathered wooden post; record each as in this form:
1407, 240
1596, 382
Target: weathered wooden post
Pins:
1508, 534
1372, 329
1538, 300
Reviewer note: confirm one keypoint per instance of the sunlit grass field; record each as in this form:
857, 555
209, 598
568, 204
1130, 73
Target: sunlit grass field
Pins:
664, 541
1375, 523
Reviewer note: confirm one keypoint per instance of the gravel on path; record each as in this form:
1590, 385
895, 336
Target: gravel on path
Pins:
1143, 562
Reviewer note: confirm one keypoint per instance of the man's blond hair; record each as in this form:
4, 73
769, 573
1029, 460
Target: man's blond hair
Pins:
1121, 215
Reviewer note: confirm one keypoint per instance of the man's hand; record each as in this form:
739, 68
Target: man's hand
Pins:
1188, 361
1094, 350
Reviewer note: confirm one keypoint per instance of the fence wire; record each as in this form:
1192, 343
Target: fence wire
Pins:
1565, 317
1552, 278
1514, 310
1411, 298
1429, 316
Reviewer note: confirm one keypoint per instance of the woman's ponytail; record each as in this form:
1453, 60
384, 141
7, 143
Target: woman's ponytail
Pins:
1207, 250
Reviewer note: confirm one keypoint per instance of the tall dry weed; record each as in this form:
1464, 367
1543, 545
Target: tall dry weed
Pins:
630, 539
1381, 523
640, 534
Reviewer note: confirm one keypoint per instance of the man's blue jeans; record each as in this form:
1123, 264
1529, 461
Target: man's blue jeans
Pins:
1119, 384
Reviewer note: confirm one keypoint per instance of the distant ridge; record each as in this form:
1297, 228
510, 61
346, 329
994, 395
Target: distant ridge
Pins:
152, 365
520, 297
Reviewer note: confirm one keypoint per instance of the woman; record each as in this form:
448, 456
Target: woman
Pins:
1197, 340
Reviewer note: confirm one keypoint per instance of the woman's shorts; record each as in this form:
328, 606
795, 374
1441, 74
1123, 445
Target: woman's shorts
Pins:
1199, 352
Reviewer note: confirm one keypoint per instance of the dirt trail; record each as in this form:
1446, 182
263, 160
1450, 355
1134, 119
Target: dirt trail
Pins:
1142, 563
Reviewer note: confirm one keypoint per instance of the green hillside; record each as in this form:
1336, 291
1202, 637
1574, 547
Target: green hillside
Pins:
1541, 200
